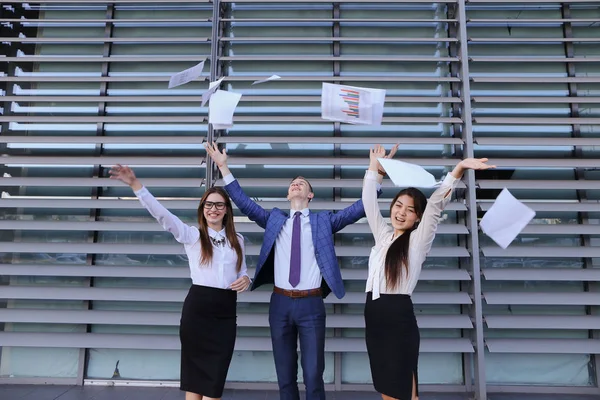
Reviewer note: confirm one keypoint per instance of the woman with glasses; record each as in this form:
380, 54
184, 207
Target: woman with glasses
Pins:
218, 270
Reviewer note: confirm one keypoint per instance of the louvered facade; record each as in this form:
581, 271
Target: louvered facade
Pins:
90, 286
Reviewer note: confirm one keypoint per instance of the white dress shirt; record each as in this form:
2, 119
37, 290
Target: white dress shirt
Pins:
221, 271
420, 242
310, 274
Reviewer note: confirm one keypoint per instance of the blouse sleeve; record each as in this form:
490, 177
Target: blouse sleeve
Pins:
425, 232
182, 232
369, 197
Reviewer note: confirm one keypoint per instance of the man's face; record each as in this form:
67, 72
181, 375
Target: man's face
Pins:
299, 189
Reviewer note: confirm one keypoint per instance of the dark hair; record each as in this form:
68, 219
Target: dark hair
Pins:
397, 255
205, 242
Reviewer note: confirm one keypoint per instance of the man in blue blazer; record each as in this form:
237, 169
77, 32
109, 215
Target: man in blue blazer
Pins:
298, 256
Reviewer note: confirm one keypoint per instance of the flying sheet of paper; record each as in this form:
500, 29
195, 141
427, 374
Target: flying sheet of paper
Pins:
505, 219
405, 174
271, 78
186, 76
353, 105
212, 88
221, 108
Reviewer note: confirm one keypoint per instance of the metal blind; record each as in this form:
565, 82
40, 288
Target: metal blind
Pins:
85, 270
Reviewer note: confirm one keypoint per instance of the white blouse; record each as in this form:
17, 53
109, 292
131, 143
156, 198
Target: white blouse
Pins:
421, 238
221, 272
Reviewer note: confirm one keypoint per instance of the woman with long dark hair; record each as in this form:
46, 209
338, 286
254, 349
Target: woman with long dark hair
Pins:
395, 262
218, 270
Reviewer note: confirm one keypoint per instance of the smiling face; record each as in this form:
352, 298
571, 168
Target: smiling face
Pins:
300, 189
407, 209
403, 213
215, 209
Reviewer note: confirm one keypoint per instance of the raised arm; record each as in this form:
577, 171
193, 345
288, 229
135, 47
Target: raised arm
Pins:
182, 232
425, 233
246, 205
369, 193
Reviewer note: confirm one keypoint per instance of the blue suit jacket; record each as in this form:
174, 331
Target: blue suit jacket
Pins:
323, 225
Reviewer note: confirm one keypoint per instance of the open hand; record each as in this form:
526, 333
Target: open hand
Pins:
122, 173
219, 157
475, 164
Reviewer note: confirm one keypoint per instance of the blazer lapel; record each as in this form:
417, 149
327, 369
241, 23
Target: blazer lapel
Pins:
313, 227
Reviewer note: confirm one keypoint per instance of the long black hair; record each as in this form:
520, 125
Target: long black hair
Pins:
397, 255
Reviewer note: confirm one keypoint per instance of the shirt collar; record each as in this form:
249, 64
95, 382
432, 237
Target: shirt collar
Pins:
215, 234
304, 212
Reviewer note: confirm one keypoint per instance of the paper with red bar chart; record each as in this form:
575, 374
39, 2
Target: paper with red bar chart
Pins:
352, 105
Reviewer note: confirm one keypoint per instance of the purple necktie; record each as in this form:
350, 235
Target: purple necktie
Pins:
295, 254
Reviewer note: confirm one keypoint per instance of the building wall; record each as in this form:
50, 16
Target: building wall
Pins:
92, 287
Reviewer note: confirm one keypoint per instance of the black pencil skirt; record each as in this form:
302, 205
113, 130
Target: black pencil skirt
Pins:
393, 341
207, 332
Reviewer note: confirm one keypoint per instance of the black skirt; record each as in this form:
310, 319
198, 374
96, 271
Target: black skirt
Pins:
393, 340
207, 332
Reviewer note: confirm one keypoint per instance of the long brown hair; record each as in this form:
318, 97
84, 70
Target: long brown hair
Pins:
205, 242
396, 258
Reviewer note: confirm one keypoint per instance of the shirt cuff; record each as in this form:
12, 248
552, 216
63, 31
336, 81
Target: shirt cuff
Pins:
449, 180
372, 175
227, 179
141, 192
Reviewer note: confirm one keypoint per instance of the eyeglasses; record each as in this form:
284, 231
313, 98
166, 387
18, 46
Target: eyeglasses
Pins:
219, 205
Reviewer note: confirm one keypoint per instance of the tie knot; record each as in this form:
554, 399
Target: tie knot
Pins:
297, 214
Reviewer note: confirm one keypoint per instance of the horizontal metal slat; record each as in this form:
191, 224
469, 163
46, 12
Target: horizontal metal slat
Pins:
543, 321
133, 226
342, 58
567, 206
166, 249
239, 78
526, 1
105, 139
198, 99
101, 2
169, 272
155, 318
329, 2
533, 59
342, 20
181, 119
98, 182
192, 204
535, 40
542, 274
91, 40
178, 295
544, 184
544, 346
99, 59
275, 39
536, 121
533, 79
339, 140
515, 21
561, 229
45, 21
543, 252
537, 99
171, 342
544, 163
536, 141
104, 160
543, 298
